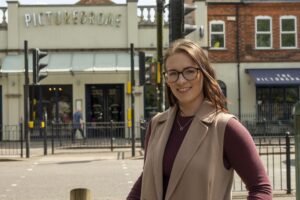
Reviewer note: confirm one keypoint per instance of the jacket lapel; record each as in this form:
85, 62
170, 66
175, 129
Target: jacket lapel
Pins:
193, 139
162, 132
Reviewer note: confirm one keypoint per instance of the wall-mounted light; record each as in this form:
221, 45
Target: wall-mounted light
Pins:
201, 31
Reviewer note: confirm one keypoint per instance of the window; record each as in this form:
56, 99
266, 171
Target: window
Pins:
217, 34
56, 103
263, 31
223, 87
276, 103
288, 32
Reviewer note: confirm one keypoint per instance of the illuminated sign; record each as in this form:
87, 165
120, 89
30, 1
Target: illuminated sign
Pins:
74, 17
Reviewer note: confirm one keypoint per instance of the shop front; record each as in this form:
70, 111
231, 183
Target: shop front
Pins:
277, 91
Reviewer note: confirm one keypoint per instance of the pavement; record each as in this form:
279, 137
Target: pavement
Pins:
123, 154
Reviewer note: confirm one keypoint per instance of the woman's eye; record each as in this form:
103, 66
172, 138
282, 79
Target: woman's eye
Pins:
172, 73
190, 71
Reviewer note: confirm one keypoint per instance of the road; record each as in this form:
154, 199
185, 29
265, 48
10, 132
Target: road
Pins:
53, 177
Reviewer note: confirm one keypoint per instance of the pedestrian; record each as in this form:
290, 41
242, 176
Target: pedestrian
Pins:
77, 124
193, 148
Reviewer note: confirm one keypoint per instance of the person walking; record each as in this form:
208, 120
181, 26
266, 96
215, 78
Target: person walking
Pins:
77, 125
193, 148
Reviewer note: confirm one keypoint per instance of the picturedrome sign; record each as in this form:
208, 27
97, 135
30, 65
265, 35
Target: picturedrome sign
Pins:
51, 18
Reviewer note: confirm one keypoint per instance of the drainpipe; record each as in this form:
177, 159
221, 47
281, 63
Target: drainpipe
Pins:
238, 58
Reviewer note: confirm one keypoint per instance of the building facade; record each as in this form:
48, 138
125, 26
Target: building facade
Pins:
88, 61
254, 46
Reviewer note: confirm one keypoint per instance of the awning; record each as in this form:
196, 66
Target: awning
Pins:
289, 76
73, 62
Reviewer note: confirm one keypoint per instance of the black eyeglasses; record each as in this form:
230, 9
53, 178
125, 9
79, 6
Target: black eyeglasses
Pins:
188, 73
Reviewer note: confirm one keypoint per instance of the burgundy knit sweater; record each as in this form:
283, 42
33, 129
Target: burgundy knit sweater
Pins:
239, 153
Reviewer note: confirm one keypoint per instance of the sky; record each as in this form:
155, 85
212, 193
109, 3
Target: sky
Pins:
140, 2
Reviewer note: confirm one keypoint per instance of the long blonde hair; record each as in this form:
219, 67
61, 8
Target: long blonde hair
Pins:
211, 89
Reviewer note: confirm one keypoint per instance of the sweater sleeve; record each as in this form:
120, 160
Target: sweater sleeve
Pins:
135, 192
241, 154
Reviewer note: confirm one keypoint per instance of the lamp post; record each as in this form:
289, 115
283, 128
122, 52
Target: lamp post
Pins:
159, 21
26, 100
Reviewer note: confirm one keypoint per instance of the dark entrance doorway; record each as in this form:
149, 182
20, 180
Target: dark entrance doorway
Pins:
105, 103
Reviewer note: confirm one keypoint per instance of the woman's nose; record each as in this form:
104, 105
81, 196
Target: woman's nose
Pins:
181, 79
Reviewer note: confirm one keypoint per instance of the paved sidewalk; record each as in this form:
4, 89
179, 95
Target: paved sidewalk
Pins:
276, 196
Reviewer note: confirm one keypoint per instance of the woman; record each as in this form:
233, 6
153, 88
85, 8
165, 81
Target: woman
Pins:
194, 146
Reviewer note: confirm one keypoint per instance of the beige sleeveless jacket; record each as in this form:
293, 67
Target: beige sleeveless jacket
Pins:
198, 172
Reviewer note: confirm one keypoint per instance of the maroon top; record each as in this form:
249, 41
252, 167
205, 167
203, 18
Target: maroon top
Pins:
239, 153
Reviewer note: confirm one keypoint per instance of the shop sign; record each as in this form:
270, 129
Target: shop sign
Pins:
74, 17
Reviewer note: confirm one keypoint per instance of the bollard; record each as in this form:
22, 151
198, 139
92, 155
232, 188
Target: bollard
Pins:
297, 147
80, 194
288, 163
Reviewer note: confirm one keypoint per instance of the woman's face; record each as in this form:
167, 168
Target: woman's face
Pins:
189, 89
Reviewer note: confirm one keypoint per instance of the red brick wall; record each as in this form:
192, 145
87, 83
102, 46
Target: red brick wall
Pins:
247, 14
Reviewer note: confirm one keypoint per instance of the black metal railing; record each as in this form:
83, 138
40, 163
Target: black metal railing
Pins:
261, 127
278, 155
12, 140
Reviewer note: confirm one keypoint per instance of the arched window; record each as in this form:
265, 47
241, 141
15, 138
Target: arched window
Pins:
223, 87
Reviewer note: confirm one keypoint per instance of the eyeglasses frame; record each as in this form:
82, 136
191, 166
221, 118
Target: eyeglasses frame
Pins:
181, 72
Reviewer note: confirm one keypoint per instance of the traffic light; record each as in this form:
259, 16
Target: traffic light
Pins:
142, 67
37, 55
177, 12
153, 73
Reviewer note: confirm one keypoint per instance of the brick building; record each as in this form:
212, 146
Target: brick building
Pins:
254, 46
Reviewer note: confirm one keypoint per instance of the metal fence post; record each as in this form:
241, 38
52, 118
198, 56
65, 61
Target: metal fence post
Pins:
288, 163
297, 147
21, 138
44, 130
52, 138
111, 136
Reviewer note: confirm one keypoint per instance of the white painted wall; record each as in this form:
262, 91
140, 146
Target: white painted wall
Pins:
228, 74
52, 36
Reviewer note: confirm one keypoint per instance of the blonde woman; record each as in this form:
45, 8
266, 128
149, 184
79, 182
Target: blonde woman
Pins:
194, 147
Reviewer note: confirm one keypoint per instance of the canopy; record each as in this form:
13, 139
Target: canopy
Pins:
289, 76
73, 61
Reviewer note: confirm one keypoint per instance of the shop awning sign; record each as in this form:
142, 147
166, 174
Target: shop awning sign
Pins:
278, 77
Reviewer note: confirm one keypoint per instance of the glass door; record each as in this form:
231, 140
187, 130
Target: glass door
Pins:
104, 103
